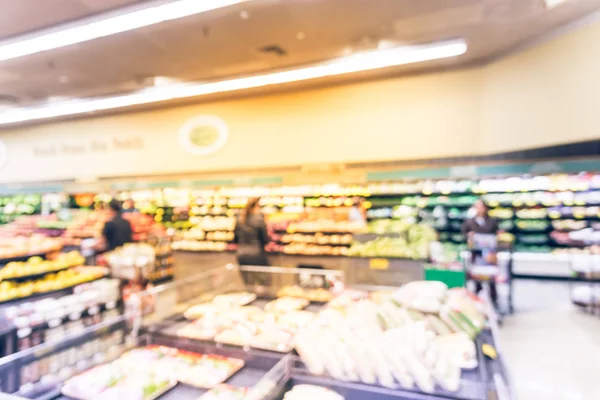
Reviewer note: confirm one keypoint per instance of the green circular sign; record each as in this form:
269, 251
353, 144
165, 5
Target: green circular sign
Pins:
203, 135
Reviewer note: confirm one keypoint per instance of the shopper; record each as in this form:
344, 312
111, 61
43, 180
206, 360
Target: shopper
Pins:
481, 223
357, 213
251, 235
118, 230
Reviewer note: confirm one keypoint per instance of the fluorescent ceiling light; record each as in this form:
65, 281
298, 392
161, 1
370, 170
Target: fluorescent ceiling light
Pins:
108, 25
345, 65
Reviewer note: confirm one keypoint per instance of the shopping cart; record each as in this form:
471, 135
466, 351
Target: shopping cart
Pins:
486, 269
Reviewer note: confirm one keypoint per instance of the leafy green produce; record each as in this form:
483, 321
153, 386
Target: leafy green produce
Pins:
413, 243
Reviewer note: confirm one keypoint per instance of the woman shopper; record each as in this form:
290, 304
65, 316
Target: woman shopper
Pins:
251, 235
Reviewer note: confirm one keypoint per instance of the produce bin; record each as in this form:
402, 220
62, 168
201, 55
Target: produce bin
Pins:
157, 315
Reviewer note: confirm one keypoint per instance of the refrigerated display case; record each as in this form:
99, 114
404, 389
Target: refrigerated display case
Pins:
157, 316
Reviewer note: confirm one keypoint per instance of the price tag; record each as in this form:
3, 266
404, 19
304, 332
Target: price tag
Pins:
379, 263
489, 351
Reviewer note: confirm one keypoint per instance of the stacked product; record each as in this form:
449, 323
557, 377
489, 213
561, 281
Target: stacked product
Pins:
19, 247
50, 320
36, 276
228, 319
36, 266
89, 224
148, 372
412, 242
421, 335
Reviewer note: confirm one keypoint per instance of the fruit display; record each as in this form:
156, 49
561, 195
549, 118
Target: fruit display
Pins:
12, 207
324, 226
422, 334
89, 224
414, 243
24, 246
195, 245
313, 249
381, 226
228, 320
318, 238
302, 392
37, 266
11, 290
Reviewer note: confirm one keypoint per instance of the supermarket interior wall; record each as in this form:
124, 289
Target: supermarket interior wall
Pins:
542, 96
417, 117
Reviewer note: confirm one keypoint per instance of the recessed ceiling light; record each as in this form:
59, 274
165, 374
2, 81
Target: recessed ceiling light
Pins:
244, 14
106, 25
300, 35
358, 62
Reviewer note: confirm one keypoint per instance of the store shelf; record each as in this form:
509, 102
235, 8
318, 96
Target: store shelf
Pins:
53, 293
4, 261
26, 278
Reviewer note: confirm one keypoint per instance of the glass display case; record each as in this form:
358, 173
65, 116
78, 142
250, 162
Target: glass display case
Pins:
192, 319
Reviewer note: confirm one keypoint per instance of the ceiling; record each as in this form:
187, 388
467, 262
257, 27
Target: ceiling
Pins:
222, 43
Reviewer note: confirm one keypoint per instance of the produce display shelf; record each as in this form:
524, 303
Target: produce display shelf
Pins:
76, 316
52, 293
162, 279
475, 384
4, 261
26, 278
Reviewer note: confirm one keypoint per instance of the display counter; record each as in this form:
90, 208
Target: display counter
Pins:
357, 270
157, 318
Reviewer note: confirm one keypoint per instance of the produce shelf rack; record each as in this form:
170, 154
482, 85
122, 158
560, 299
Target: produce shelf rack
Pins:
269, 374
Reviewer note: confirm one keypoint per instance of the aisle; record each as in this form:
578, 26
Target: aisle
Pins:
552, 349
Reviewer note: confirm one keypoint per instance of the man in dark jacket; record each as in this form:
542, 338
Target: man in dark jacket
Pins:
481, 222
117, 231
484, 224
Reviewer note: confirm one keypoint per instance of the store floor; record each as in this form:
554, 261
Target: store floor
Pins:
552, 348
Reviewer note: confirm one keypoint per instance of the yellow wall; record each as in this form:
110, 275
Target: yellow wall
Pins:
427, 116
543, 96
547, 95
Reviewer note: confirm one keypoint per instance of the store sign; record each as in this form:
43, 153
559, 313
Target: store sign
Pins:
3, 154
203, 135
79, 147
